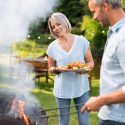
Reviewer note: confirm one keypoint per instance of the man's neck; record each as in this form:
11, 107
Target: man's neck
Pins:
116, 15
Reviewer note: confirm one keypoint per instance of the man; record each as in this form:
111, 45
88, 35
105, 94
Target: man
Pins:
111, 102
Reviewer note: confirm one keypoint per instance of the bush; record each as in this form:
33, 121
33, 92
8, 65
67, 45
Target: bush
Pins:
96, 34
42, 38
29, 48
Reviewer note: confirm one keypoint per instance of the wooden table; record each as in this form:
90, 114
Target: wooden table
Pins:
40, 68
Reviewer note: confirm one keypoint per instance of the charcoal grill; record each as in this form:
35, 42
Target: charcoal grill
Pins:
10, 121
36, 115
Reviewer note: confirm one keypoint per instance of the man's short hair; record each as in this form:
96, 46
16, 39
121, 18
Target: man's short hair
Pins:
112, 3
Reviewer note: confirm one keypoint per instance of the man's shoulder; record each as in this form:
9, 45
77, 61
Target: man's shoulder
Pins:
122, 28
120, 32
120, 36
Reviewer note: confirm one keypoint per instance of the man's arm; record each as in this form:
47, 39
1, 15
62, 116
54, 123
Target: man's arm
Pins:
95, 103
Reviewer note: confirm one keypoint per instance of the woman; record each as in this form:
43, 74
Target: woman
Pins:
67, 48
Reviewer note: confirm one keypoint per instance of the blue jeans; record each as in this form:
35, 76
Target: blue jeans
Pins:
83, 118
108, 122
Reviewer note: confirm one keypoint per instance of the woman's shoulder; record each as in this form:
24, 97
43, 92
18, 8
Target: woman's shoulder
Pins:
81, 39
53, 43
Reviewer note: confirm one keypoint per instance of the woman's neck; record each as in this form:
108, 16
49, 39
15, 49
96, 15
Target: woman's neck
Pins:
66, 38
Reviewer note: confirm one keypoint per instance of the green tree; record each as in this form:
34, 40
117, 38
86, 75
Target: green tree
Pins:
96, 34
73, 9
123, 4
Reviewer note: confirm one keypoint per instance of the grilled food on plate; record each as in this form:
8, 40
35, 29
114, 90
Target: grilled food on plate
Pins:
75, 67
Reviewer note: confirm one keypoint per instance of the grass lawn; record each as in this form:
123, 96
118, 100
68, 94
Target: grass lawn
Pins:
44, 94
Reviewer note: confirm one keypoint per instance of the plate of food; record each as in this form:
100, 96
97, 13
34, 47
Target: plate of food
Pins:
75, 67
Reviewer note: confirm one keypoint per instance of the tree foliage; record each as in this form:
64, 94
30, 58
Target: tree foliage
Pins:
123, 4
73, 9
96, 34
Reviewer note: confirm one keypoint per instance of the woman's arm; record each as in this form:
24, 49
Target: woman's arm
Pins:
89, 59
52, 65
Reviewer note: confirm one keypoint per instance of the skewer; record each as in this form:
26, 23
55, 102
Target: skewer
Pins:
43, 116
63, 107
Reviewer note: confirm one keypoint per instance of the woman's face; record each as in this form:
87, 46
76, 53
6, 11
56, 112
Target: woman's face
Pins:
58, 29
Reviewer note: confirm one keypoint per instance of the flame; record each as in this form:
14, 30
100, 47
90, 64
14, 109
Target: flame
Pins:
19, 108
25, 117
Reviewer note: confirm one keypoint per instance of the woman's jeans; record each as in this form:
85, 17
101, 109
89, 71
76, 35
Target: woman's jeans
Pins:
83, 118
108, 122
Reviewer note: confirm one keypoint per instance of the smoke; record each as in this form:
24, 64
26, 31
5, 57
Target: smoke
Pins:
15, 19
16, 16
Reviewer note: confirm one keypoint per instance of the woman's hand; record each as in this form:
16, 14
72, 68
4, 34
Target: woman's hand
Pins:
54, 70
51, 65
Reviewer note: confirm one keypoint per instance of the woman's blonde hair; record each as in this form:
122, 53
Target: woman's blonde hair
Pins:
60, 18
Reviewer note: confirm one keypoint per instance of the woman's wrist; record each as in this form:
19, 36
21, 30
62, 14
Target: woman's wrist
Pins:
52, 69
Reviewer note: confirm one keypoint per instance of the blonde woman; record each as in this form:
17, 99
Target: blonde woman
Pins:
66, 48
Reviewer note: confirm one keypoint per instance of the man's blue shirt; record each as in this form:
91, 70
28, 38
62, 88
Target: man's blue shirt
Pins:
112, 75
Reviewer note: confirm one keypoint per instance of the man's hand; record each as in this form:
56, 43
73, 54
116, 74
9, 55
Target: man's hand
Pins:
93, 104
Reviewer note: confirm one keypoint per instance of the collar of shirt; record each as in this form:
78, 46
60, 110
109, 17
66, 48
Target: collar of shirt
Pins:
114, 28
117, 26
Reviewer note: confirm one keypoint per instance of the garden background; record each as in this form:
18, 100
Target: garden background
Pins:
39, 38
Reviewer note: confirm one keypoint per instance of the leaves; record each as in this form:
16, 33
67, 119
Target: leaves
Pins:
96, 34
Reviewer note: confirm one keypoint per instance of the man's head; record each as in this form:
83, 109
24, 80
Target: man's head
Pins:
103, 10
113, 3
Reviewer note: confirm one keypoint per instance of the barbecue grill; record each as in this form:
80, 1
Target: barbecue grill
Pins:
36, 115
8, 114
